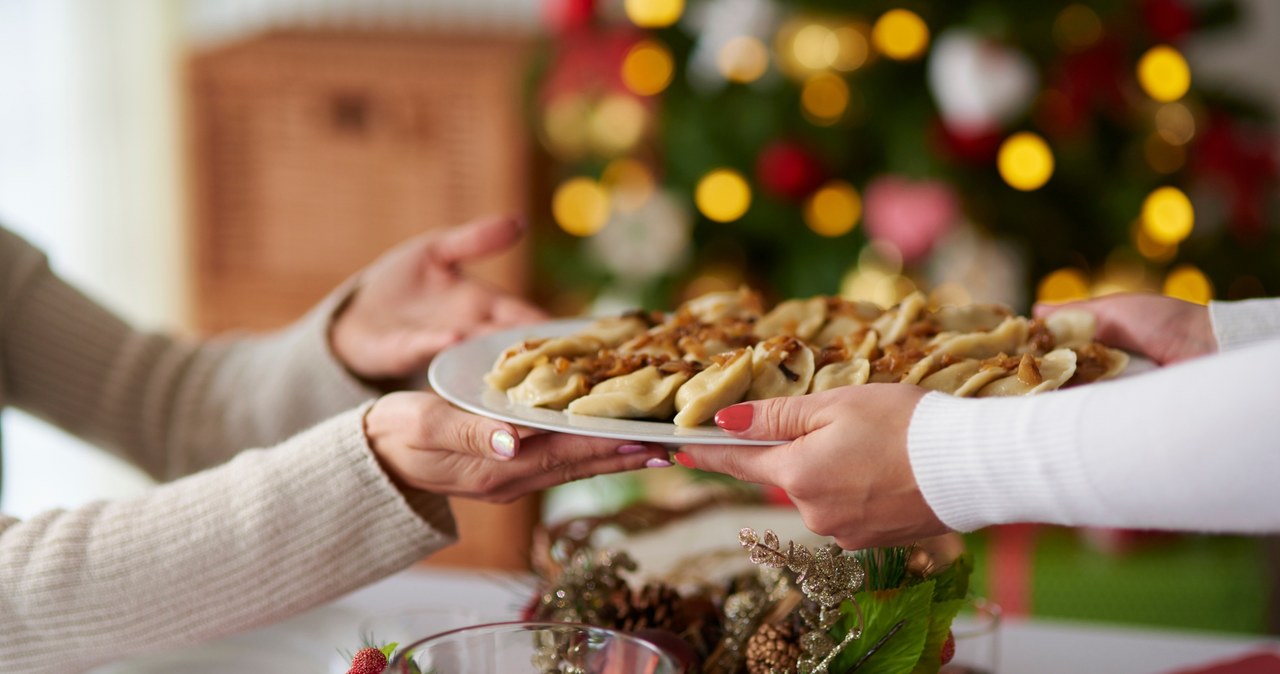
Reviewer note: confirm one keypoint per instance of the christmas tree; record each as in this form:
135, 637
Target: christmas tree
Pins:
984, 150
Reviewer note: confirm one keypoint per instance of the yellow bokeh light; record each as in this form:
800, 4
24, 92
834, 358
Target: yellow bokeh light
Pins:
1185, 282
1161, 156
1167, 216
743, 59
900, 34
1063, 285
1077, 27
654, 13
854, 49
723, 195
617, 124
833, 209
825, 98
565, 126
580, 206
816, 47
647, 68
1175, 123
1150, 248
1164, 74
1025, 161
630, 183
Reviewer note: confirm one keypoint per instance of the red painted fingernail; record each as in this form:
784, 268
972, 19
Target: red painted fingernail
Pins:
735, 418
685, 460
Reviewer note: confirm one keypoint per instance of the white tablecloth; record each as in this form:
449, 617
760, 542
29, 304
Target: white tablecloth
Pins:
310, 643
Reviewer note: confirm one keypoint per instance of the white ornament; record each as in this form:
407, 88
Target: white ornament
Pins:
645, 243
715, 23
989, 270
977, 83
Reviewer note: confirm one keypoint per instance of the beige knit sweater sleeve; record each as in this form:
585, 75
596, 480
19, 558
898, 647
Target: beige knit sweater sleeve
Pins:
240, 544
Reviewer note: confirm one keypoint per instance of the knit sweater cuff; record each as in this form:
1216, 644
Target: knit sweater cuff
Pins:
998, 461
1238, 324
308, 340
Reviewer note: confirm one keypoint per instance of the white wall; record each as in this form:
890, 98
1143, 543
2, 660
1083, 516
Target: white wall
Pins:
90, 172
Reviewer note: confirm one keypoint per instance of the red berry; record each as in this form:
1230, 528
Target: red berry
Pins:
368, 660
948, 648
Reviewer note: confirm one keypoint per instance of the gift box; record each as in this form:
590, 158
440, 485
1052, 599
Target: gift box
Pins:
1208, 582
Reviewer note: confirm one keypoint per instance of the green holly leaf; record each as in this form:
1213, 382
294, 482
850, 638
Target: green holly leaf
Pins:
940, 619
882, 611
953, 581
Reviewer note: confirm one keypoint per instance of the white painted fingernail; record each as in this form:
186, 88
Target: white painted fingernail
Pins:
503, 443
658, 463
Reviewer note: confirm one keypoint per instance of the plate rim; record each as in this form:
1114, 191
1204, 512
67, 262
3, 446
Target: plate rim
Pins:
492, 344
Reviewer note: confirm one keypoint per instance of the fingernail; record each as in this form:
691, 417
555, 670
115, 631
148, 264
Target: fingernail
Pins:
658, 463
685, 460
735, 418
503, 443
631, 449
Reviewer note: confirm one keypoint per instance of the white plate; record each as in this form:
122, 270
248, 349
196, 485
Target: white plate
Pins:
457, 374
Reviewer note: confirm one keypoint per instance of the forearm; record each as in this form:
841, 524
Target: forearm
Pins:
1189, 447
269, 534
172, 407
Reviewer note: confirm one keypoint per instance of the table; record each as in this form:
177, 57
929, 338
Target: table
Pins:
309, 643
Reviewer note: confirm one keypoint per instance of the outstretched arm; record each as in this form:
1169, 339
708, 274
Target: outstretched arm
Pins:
1188, 447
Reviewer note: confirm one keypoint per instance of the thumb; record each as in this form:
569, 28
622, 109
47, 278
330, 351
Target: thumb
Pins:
770, 419
475, 239
448, 428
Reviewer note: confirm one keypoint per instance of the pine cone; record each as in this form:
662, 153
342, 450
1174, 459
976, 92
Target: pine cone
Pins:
652, 607
773, 648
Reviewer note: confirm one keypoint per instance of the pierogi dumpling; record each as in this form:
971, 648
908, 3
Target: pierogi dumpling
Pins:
854, 372
781, 366
950, 378
552, 384
1007, 337
893, 325
970, 317
720, 385
515, 363
798, 318
614, 330
645, 393
1071, 328
846, 318
713, 307
1034, 375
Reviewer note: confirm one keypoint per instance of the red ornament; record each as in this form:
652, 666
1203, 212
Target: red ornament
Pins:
1243, 166
788, 170
1168, 20
948, 648
974, 148
1092, 81
568, 15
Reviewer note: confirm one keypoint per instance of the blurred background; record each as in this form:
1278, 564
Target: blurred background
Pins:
213, 165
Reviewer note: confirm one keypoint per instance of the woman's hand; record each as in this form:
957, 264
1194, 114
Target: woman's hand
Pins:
425, 443
846, 466
413, 302
1164, 329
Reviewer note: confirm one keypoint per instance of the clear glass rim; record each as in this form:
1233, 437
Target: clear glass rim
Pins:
530, 626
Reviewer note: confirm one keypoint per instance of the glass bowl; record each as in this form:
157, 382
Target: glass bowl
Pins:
533, 648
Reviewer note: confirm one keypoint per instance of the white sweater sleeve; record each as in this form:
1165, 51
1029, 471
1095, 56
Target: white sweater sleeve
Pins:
1238, 324
1195, 446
